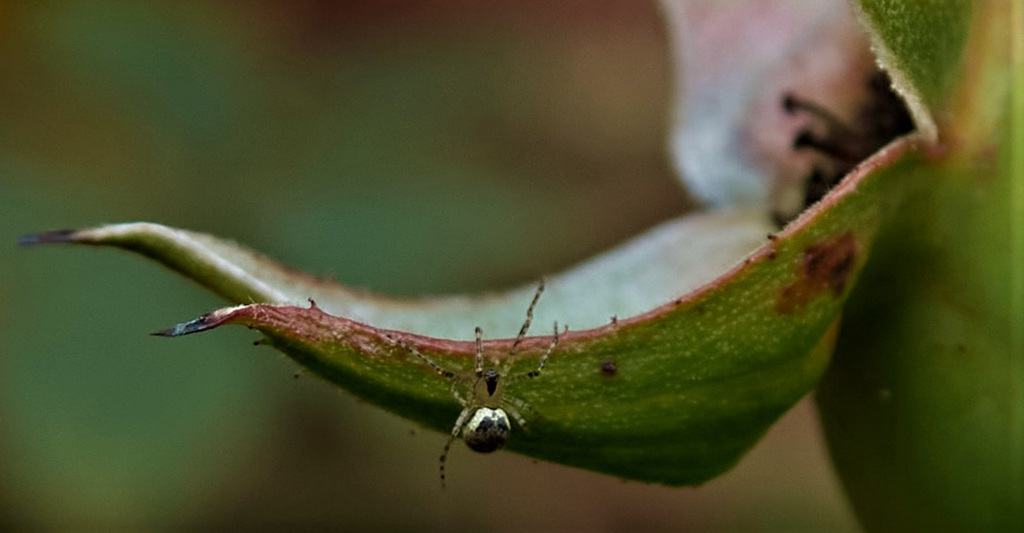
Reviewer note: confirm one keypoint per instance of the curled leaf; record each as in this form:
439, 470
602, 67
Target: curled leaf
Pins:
687, 342
697, 380
672, 259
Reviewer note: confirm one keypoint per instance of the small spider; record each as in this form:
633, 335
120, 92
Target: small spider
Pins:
484, 421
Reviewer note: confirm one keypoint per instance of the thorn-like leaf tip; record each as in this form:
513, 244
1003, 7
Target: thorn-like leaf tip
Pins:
192, 326
47, 237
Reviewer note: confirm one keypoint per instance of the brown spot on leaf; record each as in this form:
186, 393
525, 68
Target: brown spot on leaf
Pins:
825, 267
609, 368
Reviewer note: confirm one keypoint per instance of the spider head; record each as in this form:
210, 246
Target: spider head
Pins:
490, 379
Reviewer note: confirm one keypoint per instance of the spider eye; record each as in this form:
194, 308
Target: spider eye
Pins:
487, 430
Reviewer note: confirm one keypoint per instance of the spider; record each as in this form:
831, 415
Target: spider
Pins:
484, 421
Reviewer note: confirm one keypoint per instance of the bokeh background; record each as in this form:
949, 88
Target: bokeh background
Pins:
408, 147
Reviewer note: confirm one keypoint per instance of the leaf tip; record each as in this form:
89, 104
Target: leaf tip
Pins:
47, 237
203, 323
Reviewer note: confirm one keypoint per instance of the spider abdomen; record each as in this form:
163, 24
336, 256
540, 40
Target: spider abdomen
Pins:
487, 430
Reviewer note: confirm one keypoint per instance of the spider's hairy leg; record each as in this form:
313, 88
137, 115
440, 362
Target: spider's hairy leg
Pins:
479, 352
458, 395
463, 416
543, 360
441, 371
525, 328
514, 407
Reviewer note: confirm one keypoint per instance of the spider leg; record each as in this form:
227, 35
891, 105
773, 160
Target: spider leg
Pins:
451, 438
479, 352
441, 371
458, 395
543, 360
513, 405
522, 331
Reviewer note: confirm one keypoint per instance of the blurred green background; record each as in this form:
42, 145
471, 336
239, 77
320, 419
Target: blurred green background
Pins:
404, 147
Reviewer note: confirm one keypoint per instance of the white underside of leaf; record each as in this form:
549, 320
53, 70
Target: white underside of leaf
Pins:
660, 265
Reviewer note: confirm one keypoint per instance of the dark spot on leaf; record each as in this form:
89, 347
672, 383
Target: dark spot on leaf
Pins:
609, 368
825, 267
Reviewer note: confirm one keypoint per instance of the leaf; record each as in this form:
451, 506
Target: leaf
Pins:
699, 379
923, 410
920, 44
674, 258
696, 381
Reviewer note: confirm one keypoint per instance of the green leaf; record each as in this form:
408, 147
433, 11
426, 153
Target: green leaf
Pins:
698, 379
920, 44
923, 408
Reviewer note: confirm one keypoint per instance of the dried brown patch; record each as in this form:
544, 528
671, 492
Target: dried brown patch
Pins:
826, 266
